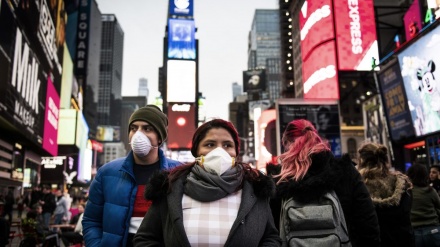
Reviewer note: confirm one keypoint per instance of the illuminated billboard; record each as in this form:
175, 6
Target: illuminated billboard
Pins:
67, 126
320, 73
419, 65
23, 81
181, 125
324, 114
181, 81
316, 24
181, 7
181, 39
412, 20
106, 133
254, 80
394, 101
51, 116
355, 34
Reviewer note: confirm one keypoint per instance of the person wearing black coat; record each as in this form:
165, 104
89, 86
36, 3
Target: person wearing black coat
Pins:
315, 172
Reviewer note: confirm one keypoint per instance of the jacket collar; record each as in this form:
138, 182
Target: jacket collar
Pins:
387, 191
127, 166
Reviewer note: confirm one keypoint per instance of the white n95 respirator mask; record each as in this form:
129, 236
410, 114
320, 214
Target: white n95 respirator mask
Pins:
140, 144
217, 161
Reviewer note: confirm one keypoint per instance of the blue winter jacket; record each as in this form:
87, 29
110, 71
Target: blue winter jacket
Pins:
111, 198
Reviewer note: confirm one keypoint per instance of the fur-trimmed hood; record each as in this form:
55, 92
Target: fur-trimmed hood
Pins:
323, 176
387, 191
157, 187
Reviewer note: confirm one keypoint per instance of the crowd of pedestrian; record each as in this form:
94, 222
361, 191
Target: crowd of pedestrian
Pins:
308, 197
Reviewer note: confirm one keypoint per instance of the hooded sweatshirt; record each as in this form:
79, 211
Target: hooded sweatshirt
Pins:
426, 207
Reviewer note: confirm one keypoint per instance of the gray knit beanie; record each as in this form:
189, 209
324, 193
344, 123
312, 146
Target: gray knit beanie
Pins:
154, 116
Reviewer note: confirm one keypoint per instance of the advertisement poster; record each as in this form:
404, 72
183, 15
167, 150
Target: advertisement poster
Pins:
254, 80
51, 116
320, 73
395, 102
181, 39
355, 34
316, 24
22, 79
181, 125
419, 64
323, 114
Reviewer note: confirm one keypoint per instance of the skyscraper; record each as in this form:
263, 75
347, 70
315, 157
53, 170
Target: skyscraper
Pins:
264, 49
237, 90
110, 78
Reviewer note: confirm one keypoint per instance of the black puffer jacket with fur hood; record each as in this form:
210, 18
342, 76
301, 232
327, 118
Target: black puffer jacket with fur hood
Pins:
392, 199
328, 173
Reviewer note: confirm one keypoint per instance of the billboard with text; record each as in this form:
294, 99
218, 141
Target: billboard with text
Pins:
355, 34
51, 116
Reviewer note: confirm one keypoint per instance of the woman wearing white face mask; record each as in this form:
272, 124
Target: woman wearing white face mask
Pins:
215, 201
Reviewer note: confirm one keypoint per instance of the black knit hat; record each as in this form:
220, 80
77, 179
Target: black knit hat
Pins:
154, 116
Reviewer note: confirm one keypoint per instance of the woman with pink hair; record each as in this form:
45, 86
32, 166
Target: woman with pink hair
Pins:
308, 170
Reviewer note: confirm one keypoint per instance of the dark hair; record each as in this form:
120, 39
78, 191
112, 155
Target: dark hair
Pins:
214, 124
373, 160
437, 167
418, 175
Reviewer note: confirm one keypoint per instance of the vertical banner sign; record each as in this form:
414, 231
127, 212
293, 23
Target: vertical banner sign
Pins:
355, 34
51, 116
395, 103
82, 42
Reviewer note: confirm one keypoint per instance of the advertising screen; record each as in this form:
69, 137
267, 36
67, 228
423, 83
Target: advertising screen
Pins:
67, 126
254, 80
181, 125
419, 65
181, 7
181, 39
316, 24
320, 73
22, 81
355, 34
394, 101
412, 20
181, 81
323, 114
107, 133
51, 116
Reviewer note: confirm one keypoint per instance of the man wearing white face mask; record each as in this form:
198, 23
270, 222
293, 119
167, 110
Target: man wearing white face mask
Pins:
116, 205
215, 201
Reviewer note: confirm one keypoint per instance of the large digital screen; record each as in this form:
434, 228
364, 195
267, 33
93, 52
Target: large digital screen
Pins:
181, 81
419, 65
181, 125
395, 102
316, 24
254, 80
67, 126
51, 116
320, 73
181, 39
412, 20
355, 34
181, 7
324, 114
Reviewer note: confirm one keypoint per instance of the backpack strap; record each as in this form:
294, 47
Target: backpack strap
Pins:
340, 212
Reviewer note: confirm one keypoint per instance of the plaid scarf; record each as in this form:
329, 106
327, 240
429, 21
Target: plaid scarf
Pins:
207, 187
